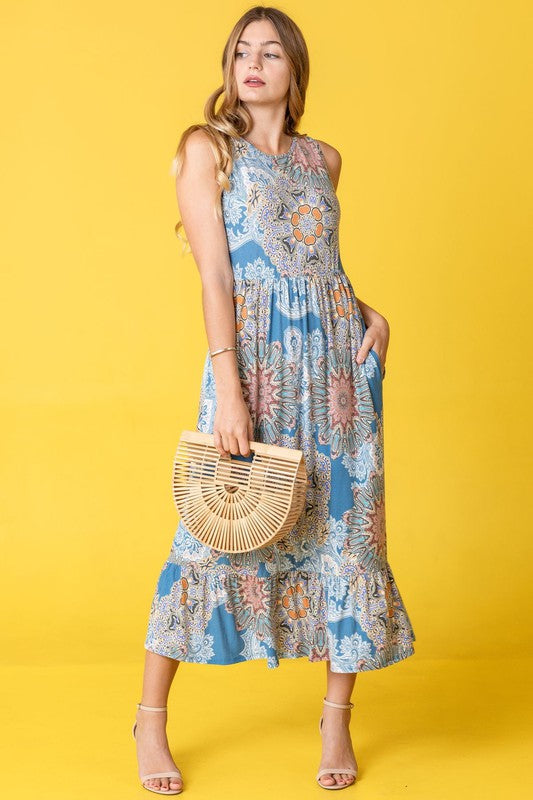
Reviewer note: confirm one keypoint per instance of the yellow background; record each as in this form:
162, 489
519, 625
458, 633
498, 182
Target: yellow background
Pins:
103, 344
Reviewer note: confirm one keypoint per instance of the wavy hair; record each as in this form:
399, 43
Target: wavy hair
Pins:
233, 118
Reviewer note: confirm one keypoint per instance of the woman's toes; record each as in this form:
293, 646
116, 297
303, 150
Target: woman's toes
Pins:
164, 784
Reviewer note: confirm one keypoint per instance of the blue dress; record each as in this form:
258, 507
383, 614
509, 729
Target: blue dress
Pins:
326, 590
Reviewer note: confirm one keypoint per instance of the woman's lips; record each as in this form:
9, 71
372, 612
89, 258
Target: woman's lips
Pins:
254, 82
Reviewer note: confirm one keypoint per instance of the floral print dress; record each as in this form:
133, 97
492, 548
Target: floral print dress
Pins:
325, 591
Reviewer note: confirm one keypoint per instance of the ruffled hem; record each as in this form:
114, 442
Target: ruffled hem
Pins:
358, 622
274, 663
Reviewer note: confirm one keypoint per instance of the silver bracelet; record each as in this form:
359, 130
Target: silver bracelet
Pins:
222, 350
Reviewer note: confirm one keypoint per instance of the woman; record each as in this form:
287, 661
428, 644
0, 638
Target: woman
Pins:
296, 360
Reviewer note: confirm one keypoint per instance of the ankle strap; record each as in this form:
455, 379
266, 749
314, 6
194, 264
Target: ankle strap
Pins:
338, 705
151, 708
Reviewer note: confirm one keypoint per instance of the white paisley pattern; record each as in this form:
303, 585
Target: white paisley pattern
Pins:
326, 590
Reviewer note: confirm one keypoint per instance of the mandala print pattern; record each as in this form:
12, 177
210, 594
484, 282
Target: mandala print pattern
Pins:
326, 590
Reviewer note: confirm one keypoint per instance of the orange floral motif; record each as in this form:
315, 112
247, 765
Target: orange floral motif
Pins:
343, 301
184, 590
296, 602
241, 311
299, 221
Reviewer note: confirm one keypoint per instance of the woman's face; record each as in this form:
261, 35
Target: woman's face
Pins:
259, 54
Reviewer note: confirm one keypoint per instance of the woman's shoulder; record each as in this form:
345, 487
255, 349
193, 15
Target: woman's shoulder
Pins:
331, 156
197, 141
329, 151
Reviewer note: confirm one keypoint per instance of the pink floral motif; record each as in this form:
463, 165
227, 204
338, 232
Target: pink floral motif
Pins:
342, 403
366, 538
249, 603
269, 387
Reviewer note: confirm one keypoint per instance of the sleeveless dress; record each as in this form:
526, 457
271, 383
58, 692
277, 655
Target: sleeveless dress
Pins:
326, 590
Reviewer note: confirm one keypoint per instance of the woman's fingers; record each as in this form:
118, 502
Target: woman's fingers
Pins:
244, 445
219, 444
366, 346
227, 442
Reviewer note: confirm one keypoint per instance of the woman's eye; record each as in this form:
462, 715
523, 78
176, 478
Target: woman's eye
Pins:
241, 53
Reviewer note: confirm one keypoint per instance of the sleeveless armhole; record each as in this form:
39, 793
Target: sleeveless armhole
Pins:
324, 163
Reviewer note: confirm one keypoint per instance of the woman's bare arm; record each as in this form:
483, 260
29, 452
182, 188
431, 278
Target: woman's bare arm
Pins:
196, 192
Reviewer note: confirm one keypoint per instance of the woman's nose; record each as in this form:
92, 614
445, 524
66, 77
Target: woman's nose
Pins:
254, 62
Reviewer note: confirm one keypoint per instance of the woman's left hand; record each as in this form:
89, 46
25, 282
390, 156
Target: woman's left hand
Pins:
376, 337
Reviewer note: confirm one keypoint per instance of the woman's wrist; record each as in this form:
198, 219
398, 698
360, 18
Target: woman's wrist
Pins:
229, 393
371, 316
226, 374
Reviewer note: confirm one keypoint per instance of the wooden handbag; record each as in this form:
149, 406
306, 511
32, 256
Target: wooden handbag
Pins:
234, 505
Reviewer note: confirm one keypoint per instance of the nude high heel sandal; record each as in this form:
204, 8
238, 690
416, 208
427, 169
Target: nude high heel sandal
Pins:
329, 770
169, 773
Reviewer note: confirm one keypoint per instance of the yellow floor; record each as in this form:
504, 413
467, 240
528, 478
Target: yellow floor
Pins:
421, 729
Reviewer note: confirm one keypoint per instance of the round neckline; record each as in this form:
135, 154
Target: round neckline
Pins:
270, 155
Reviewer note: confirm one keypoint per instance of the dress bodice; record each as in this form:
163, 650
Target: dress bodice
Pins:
281, 212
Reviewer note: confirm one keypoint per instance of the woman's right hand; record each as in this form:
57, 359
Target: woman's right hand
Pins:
233, 427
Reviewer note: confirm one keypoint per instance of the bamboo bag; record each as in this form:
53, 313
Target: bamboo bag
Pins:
234, 505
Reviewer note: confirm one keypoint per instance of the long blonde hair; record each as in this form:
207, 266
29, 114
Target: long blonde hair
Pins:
233, 118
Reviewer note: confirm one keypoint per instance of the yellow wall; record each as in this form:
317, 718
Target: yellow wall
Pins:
103, 337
